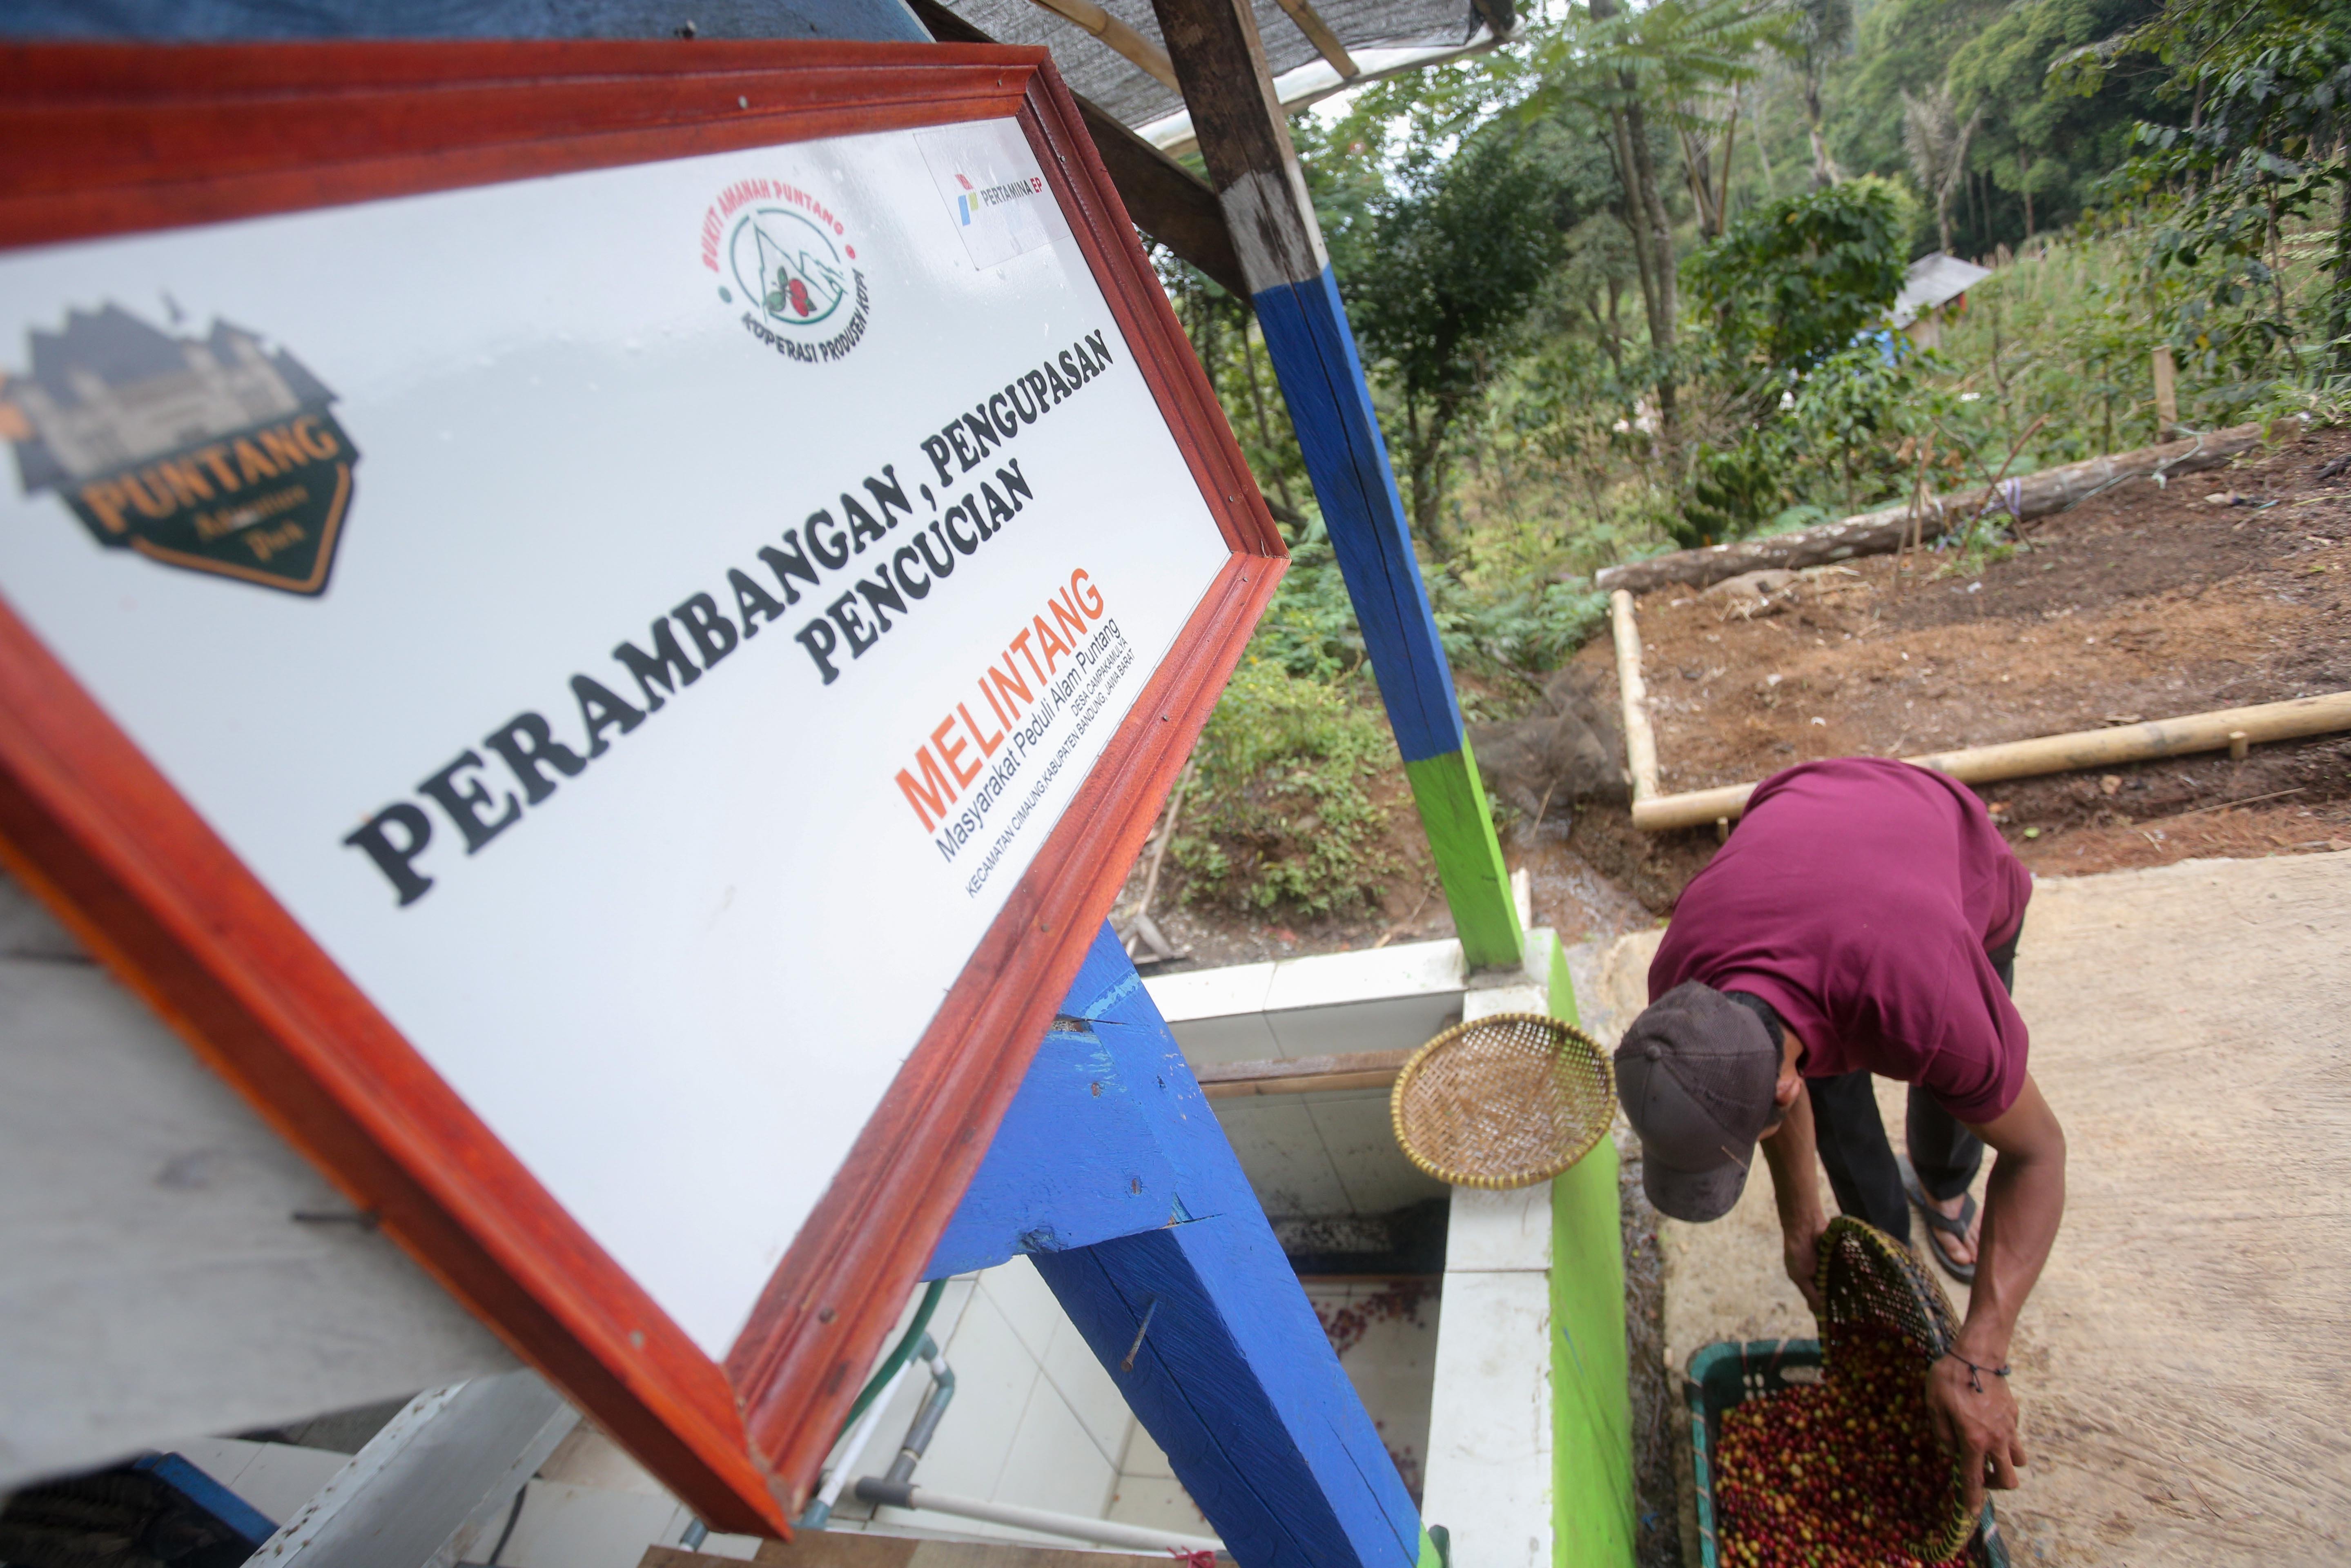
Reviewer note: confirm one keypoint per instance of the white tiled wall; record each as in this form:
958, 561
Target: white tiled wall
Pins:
1036, 1420
1317, 1155
1378, 999
1392, 1362
1490, 1425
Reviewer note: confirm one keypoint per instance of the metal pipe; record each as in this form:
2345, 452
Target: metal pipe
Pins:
1102, 1532
897, 1489
925, 1424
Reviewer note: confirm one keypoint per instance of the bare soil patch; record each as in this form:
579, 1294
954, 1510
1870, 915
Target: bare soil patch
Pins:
2144, 603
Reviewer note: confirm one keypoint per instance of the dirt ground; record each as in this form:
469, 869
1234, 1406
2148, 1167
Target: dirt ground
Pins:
2139, 603
2144, 603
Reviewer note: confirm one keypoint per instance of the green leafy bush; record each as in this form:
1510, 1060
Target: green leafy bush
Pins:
1852, 408
1521, 634
1310, 628
1794, 280
1734, 490
1280, 812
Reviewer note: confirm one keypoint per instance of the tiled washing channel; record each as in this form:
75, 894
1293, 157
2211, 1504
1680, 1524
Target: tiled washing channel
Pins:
1526, 1458
1486, 1367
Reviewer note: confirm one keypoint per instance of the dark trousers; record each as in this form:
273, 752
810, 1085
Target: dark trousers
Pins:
1850, 1137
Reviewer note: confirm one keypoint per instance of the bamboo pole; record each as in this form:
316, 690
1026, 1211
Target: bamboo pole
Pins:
1319, 34
2227, 730
1140, 51
1640, 740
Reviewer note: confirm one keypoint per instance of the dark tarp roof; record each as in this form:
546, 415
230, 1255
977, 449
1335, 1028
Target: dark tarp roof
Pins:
1095, 70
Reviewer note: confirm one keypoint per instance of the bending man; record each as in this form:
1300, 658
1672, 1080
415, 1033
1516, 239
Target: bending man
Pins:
1863, 920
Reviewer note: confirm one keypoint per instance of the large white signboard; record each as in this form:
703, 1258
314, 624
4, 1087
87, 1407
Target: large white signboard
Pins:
642, 622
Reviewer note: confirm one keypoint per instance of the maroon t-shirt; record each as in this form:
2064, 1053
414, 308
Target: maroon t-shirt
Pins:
1857, 897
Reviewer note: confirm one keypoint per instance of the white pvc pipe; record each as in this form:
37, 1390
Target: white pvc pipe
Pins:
862, 1434
1103, 1531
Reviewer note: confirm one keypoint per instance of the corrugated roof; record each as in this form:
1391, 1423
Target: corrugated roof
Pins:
1935, 281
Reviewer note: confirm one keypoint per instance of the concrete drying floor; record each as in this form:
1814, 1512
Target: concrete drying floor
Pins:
2184, 1366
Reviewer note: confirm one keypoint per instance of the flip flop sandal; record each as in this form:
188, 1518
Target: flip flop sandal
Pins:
1965, 1273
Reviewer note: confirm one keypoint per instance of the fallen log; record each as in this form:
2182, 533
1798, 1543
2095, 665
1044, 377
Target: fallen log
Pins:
1883, 531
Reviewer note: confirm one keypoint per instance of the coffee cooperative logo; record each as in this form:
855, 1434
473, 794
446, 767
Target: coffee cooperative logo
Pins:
785, 258
214, 453
972, 200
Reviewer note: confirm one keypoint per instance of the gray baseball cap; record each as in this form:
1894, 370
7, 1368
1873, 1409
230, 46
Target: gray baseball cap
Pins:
1695, 1074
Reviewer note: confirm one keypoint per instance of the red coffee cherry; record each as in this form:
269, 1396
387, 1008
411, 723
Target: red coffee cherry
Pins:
1844, 1473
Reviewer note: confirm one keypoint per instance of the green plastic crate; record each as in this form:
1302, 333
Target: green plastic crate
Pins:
1722, 1374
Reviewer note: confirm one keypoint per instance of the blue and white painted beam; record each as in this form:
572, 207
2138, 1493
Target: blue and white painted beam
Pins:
1111, 1172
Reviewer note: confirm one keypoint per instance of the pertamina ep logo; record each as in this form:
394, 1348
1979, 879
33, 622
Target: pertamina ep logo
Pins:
972, 200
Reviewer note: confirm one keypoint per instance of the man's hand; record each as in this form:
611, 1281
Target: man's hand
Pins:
1801, 1247
1977, 1428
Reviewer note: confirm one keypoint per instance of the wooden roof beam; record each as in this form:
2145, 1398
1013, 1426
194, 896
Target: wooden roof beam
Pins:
1319, 34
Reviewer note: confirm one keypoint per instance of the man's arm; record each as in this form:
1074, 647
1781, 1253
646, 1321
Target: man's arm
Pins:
1796, 1190
1974, 1412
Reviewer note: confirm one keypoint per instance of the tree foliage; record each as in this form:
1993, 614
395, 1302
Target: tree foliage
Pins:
2041, 153
1795, 281
1459, 246
2267, 87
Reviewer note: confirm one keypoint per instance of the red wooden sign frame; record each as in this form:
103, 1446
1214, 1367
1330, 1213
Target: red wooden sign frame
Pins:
98, 140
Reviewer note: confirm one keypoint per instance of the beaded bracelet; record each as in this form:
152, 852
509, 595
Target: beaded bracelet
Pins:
1975, 1372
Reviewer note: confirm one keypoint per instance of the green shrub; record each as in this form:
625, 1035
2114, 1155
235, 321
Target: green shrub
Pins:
1521, 633
1310, 628
1796, 279
1279, 811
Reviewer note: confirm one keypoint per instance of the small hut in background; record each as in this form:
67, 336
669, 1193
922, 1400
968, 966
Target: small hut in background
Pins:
1937, 285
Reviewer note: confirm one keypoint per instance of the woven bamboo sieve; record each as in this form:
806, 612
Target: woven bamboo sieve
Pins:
1867, 1276
1502, 1102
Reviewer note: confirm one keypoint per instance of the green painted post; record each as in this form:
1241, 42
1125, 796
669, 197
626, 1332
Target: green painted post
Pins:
1460, 828
1592, 1507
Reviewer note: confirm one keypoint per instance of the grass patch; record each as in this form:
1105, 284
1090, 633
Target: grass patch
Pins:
1281, 811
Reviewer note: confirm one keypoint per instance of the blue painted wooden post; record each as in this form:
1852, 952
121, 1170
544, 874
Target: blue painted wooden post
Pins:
1245, 142
1111, 1172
